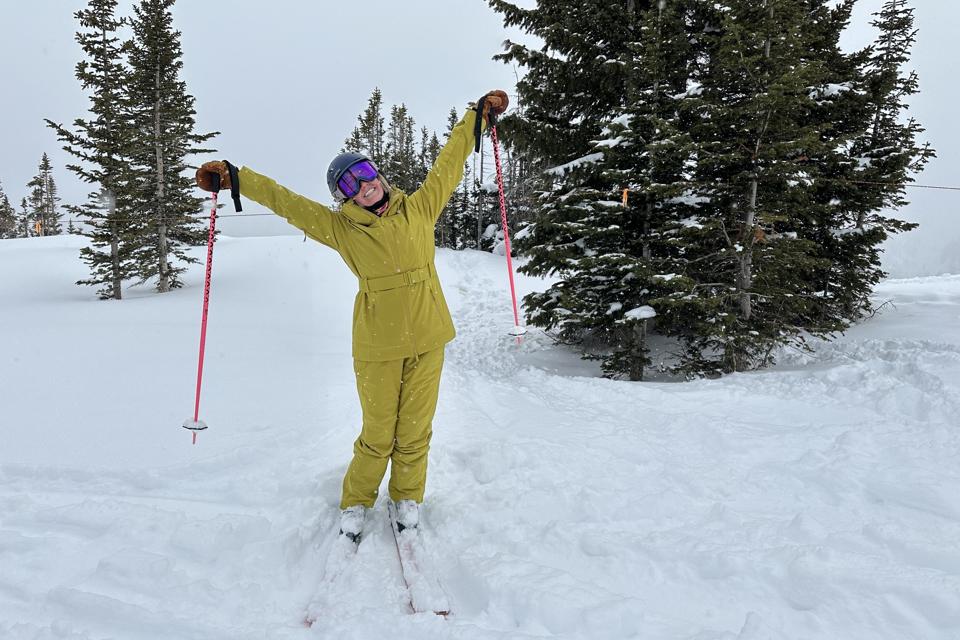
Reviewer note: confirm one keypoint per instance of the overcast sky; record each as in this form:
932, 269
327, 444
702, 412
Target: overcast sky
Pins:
283, 81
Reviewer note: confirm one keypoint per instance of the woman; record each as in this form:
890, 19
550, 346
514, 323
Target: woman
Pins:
400, 318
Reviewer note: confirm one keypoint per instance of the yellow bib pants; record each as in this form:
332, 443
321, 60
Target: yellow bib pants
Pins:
398, 399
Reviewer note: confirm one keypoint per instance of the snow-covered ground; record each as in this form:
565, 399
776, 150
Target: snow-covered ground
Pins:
816, 500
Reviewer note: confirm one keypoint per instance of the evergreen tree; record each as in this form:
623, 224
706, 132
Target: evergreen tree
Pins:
44, 200
446, 230
713, 174
753, 129
23, 220
162, 117
633, 258
429, 150
101, 144
578, 78
875, 164
35, 201
368, 137
8, 217
401, 164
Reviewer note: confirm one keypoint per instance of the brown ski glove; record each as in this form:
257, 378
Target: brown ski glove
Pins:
206, 175
493, 102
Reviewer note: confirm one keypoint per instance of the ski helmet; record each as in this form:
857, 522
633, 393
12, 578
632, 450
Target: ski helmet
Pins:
338, 166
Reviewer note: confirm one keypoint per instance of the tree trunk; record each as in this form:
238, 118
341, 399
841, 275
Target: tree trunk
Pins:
639, 351
117, 284
163, 266
746, 253
647, 253
750, 216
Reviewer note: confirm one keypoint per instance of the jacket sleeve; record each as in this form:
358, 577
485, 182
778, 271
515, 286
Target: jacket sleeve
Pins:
313, 218
447, 170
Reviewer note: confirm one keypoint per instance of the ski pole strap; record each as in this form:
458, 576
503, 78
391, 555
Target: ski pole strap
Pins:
478, 126
234, 187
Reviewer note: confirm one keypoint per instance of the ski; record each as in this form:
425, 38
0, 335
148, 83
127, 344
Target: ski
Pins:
426, 593
340, 556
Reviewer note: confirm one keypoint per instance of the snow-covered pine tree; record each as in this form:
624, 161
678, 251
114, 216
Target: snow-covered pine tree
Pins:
579, 93
751, 292
634, 259
839, 111
101, 145
44, 201
162, 116
8, 217
877, 163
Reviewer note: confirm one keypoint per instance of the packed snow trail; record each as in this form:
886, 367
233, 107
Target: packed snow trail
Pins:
819, 499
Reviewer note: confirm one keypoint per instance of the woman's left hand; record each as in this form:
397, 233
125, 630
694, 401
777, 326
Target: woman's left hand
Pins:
494, 102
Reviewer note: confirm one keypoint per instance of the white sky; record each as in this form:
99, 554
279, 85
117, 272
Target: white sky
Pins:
284, 82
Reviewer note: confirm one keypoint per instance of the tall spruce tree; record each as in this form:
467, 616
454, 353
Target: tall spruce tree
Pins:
401, 164
163, 135
447, 229
879, 161
577, 95
44, 200
100, 143
838, 110
23, 220
642, 169
368, 137
427, 154
753, 130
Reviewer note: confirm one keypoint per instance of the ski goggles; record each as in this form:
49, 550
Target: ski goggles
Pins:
349, 182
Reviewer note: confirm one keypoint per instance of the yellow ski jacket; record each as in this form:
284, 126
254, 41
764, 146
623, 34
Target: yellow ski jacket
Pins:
399, 311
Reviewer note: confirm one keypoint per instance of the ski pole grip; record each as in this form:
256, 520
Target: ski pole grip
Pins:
216, 182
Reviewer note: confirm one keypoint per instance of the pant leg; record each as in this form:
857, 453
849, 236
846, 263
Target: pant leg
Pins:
378, 384
418, 402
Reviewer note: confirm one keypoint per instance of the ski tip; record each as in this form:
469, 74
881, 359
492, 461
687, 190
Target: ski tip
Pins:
194, 425
518, 330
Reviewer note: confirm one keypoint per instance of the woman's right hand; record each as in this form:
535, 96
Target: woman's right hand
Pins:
206, 179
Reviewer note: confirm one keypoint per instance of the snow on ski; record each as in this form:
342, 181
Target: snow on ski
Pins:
340, 556
426, 593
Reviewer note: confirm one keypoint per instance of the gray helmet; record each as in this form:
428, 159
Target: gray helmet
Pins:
338, 166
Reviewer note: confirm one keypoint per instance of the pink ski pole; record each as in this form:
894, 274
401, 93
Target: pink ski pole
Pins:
196, 424
518, 330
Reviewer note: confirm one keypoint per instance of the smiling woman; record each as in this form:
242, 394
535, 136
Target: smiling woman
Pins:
401, 322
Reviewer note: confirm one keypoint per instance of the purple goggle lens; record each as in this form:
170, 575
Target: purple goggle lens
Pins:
349, 182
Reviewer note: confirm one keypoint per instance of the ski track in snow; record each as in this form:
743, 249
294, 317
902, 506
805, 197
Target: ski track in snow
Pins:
818, 499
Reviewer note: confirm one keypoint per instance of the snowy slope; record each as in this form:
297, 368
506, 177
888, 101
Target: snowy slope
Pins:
820, 499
